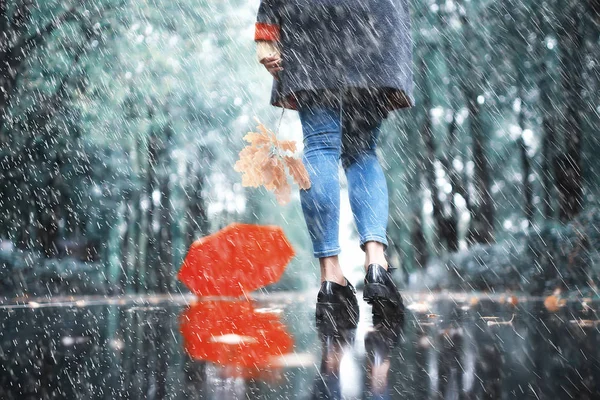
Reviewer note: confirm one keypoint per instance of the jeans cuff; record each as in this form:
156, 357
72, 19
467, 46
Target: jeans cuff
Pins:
373, 238
327, 253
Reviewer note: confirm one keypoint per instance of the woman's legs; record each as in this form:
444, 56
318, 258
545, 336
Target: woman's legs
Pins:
323, 147
375, 254
321, 203
367, 187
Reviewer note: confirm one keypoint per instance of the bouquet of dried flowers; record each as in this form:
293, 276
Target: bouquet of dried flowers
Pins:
264, 162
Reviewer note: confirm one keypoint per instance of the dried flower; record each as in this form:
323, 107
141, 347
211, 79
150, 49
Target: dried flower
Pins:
264, 162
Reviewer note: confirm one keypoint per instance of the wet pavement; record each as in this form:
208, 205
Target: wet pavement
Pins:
161, 347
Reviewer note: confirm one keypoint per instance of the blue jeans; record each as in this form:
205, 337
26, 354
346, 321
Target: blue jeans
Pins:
345, 130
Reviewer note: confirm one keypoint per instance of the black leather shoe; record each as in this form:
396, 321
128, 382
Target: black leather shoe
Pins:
337, 307
381, 292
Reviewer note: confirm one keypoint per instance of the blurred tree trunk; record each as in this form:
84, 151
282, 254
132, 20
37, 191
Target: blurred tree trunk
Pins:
152, 236
526, 185
418, 240
450, 150
520, 55
197, 218
48, 212
482, 216
145, 260
159, 237
451, 219
526, 182
428, 162
20, 36
196, 212
568, 167
47, 157
525, 162
542, 26
114, 249
131, 254
16, 45
419, 244
125, 281
481, 229
549, 144
400, 162
165, 237
416, 176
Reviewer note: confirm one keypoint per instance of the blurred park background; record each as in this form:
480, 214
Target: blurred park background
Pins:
121, 120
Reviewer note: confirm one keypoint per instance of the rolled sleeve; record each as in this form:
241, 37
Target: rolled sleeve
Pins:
267, 25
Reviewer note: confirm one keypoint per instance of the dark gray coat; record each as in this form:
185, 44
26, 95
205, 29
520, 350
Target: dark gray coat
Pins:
334, 44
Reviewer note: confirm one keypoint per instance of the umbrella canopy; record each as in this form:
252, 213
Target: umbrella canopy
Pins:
233, 334
238, 259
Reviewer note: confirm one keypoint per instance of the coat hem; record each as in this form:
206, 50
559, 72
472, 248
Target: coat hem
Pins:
391, 98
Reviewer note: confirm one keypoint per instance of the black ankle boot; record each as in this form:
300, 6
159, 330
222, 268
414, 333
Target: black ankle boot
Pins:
381, 292
337, 307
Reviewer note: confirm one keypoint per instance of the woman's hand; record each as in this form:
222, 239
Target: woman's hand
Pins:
269, 55
272, 64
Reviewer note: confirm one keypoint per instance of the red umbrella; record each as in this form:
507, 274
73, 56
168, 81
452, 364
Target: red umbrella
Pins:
235, 335
238, 259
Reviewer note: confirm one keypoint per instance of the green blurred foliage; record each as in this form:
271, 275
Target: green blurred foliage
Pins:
120, 122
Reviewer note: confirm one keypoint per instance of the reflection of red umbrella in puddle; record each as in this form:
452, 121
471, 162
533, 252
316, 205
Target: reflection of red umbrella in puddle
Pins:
235, 335
236, 260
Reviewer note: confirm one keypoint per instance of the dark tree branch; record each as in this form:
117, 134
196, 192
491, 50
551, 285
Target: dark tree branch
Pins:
26, 45
4, 38
3, 17
21, 17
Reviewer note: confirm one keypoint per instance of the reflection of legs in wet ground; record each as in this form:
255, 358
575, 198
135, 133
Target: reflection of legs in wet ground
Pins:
421, 379
490, 362
379, 344
327, 382
450, 370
